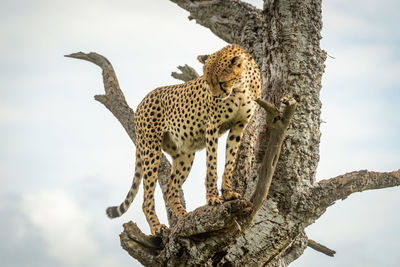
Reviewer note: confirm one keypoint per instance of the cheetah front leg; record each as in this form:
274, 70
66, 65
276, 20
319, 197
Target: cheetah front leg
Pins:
211, 180
232, 145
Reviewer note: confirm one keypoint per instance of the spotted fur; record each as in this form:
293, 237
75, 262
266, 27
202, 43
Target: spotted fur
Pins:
184, 118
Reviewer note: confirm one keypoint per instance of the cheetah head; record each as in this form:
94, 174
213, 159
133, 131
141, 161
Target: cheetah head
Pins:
224, 70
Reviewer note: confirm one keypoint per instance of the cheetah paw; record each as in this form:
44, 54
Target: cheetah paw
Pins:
230, 195
214, 200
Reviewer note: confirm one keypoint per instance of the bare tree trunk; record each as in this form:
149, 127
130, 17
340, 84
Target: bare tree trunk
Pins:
284, 38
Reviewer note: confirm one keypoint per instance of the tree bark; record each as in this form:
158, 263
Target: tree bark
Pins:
283, 37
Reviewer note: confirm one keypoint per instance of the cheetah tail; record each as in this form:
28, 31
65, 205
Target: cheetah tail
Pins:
117, 211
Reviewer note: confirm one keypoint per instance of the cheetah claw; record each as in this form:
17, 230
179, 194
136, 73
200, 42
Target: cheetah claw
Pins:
214, 200
230, 195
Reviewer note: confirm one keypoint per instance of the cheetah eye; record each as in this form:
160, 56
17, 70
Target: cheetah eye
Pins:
234, 60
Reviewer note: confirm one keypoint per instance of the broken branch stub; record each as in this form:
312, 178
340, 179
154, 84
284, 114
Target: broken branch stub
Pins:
277, 124
187, 73
321, 248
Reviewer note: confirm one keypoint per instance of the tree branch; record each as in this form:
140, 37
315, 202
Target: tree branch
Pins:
326, 192
227, 19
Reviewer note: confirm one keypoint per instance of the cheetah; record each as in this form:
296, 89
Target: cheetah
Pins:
182, 119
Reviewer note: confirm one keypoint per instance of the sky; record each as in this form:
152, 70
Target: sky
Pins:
64, 158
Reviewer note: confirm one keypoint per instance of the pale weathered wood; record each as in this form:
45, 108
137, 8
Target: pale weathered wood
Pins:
278, 124
321, 248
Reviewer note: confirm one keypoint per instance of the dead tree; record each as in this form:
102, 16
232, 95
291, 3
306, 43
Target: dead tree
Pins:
284, 39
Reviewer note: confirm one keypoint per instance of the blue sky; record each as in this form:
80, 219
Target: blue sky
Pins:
64, 157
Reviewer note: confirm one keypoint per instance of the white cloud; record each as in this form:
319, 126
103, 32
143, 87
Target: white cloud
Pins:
64, 226
63, 223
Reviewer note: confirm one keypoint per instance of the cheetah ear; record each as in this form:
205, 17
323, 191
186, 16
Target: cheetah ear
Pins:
203, 58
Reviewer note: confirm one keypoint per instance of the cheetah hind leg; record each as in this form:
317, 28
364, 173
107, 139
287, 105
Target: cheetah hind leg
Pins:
181, 165
151, 161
